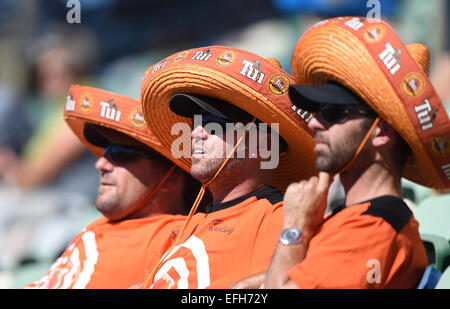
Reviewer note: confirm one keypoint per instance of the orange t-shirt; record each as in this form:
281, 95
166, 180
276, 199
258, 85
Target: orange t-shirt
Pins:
108, 255
374, 244
219, 248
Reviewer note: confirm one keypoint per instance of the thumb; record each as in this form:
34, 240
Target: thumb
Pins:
325, 180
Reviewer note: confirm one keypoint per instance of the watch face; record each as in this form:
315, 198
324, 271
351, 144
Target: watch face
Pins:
290, 236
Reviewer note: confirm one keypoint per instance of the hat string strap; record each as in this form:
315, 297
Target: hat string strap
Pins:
159, 185
361, 146
194, 207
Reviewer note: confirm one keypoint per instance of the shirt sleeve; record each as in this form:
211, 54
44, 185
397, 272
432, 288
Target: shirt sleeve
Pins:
359, 253
266, 238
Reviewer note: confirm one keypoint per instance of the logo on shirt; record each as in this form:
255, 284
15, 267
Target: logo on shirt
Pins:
216, 225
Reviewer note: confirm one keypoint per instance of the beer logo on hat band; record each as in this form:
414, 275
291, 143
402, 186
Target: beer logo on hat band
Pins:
279, 84
160, 65
110, 110
374, 33
180, 56
226, 58
70, 103
440, 145
137, 118
203, 55
412, 84
252, 70
86, 102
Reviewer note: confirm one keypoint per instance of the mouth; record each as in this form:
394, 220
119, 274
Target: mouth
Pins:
197, 153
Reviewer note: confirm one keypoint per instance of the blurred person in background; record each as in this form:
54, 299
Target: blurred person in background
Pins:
47, 186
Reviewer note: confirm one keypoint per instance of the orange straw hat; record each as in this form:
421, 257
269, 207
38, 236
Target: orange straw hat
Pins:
367, 57
252, 83
92, 106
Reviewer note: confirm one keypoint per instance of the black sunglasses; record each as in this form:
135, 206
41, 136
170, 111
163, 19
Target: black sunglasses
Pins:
124, 154
334, 113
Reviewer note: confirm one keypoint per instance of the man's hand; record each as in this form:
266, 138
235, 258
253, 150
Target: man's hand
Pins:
253, 282
305, 203
304, 206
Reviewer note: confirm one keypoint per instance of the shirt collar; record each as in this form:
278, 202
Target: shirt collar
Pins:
272, 194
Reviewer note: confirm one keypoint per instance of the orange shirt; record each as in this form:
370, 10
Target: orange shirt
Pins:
108, 254
222, 247
374, 244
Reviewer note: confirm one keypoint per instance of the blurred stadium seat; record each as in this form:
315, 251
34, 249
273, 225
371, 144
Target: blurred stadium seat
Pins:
433, 215
444, 281
429, 279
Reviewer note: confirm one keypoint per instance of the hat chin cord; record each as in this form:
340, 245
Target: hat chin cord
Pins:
159, 185
361, 146
194, 207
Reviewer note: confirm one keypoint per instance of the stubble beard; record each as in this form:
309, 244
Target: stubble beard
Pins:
204, 170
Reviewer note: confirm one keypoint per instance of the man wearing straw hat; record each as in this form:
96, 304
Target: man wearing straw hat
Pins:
193, 101
378, 119
140, 186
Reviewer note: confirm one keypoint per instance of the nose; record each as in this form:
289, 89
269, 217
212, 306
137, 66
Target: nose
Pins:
315, 124
103, 165
199, 133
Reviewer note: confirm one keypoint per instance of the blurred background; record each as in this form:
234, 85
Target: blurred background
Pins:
48, 182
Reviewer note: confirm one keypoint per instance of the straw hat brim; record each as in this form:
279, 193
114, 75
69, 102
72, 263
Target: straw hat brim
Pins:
226, 83
87, 105
330, 52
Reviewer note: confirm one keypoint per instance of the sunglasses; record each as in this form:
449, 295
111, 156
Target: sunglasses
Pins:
124, 154
334, 113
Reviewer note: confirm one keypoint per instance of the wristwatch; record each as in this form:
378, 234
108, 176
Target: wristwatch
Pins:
290, 236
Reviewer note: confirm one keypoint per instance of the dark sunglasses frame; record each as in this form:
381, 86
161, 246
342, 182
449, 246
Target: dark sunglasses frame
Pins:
124, 154
335, 113
210, 118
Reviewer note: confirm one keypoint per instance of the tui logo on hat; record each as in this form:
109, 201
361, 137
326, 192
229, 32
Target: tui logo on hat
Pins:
137, 118
374, 33
180, 56
279, 84
226, 58
412, 84
86, 102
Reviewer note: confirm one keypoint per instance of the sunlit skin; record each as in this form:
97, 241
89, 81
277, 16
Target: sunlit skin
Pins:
124, 187
335, 147
239, 176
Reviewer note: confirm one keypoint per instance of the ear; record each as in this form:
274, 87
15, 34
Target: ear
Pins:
383, 134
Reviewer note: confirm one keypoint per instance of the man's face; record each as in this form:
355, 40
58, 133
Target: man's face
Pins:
336, 143
211, 143
125, 185
208, 153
